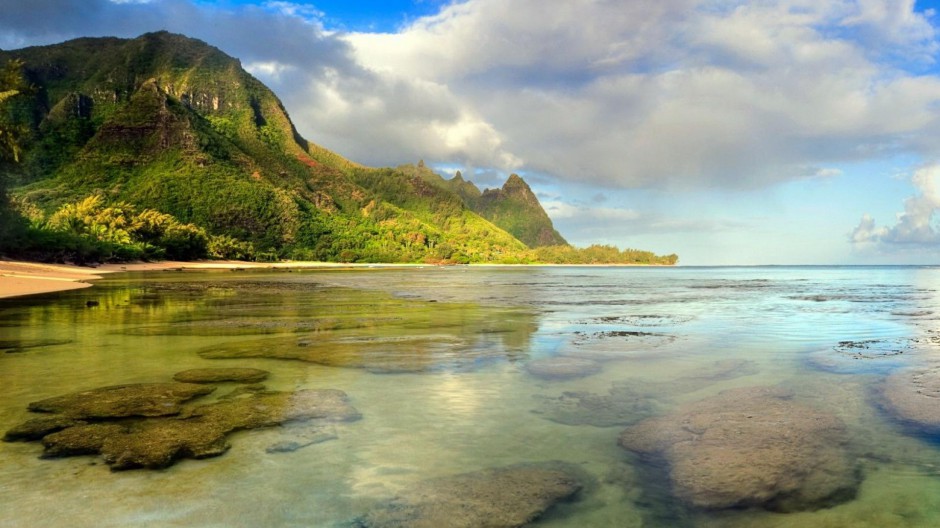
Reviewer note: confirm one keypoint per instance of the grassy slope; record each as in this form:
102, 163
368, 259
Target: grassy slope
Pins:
167, 122
170, 123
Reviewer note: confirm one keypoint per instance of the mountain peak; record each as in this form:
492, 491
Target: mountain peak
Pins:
515, 208
515, 180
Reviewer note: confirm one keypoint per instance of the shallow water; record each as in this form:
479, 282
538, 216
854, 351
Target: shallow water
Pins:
440, 363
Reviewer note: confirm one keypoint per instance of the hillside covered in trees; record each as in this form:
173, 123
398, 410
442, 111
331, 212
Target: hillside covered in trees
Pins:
164, 147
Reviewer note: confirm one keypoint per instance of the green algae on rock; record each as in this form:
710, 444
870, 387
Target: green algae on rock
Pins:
221, 375
750, 447
122, 401
501, 497
37, 428
157, 441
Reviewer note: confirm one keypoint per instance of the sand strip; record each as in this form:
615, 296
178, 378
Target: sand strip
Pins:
19, 278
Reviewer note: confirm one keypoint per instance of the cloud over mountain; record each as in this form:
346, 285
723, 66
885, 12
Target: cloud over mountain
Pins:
679, 93
651, 93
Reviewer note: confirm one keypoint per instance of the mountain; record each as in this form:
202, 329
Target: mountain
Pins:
165, 141
172, 124
516, 209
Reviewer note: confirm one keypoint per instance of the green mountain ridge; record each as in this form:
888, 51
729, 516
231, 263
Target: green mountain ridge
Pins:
171, 124
515, 208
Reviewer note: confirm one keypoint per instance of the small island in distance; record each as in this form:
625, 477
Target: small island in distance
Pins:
164, 147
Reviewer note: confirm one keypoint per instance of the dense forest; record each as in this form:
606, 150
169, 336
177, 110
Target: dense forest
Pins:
164, 147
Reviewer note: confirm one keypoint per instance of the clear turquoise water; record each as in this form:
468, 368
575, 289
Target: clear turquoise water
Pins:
463, 399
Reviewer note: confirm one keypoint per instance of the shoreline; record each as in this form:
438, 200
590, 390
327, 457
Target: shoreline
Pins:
24, 278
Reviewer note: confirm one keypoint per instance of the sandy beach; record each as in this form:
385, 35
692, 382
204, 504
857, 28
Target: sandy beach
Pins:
19, 278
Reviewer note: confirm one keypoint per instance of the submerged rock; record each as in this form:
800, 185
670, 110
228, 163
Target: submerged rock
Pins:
632, 400
14, 346
86, 439
495, 498
620, 406
856, 357
750, 447
390, 354
220, 375
121, 401
913, 396
618, 344
641, 320
562, 367
39, 427
199, 432
299, 438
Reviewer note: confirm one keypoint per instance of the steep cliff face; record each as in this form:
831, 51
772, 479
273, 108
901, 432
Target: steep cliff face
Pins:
466, 190
515, 208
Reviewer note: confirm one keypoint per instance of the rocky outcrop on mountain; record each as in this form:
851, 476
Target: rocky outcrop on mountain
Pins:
515, 208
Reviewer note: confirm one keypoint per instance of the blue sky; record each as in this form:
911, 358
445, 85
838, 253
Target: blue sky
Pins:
726, 131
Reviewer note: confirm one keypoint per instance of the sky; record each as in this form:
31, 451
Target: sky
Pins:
725, 131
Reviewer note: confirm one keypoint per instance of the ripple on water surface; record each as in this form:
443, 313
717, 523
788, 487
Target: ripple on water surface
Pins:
458, 373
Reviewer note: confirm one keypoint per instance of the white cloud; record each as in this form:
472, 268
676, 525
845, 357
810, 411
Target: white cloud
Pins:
269, 69
679, 93
915, 227
667, 94
562, 210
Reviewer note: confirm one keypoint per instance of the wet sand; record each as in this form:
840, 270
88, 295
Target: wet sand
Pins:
19, 278
28, 278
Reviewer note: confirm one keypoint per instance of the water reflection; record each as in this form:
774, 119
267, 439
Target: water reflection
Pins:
493, 368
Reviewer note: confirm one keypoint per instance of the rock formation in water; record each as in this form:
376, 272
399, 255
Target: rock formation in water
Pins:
145, 425
913, 396
561, 367
750, 447
855, 357
632, 400
123, 401
220, 375
622, 405
496, 498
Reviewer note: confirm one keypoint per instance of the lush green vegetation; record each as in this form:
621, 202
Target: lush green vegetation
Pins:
600, 254
164, 147
13, 86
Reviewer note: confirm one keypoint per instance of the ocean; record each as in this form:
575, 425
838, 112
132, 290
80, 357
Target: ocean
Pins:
685, 396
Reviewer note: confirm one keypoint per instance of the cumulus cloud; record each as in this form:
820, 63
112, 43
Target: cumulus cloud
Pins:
663, 94
680, 93
336, 102
915, 227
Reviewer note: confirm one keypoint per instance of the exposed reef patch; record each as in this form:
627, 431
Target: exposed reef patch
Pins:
503, 497
750, 447
222, 374
562, 367
148, 426
632, 400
